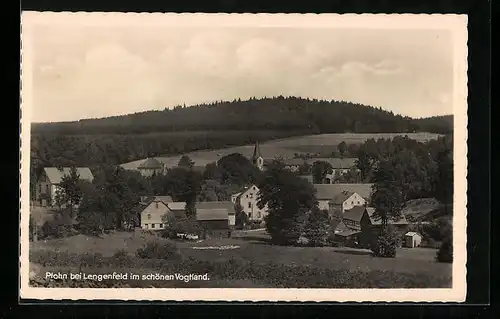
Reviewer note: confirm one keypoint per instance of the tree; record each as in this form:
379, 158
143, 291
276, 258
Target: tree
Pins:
317, 227
445, 252
184, 186
212, 171
443, 184
237, 169
319, 171
342, 147
241, 218
70, 191
305, 169
385, 243
185, 162
289, 199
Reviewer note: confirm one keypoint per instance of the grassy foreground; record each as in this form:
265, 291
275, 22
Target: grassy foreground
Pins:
252, 262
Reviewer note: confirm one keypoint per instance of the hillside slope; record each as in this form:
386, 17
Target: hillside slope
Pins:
278, 113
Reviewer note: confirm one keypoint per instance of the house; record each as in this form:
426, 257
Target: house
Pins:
345, 236
412, 239
340, 166
152, 212
214, 222
151, 166
248, 199
227, 205
371, 224
350, 193
346, 200
348, 231
49, 180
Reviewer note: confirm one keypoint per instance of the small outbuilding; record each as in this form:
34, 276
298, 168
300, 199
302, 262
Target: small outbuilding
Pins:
412, 239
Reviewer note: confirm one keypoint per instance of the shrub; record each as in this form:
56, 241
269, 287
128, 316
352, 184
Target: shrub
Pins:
55, 229
445, 252
156, 250
123, 259
317, 226
385, 243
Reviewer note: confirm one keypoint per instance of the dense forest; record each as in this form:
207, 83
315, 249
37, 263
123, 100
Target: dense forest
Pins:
121, 139
276, 114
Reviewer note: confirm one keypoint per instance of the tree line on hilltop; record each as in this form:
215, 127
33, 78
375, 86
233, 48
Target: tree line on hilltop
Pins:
121, 139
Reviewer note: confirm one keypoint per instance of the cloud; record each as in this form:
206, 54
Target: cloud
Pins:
123, 73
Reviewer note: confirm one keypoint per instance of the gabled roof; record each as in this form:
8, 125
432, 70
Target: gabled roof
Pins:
176, 205
295, 161
354, 214
340, 227
330, 191
342, 197
150, 163
229, 206
308, 178
55, 175
412, 233
375, 220
148, 199
212, 214
347, 233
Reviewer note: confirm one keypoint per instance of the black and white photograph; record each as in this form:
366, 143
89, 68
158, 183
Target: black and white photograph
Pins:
301, 157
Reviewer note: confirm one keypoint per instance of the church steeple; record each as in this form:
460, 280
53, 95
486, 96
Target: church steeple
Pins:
257, 158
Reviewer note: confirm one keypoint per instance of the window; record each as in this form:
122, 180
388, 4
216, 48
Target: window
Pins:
249, 205
352, 202
358, 202
47, 188
152, 225
156, 205
149, 216
254, 188
247, 195
161, 226
146, 225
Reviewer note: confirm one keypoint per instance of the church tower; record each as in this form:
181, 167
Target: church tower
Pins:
257, 158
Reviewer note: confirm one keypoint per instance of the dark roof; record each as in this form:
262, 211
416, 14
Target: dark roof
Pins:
341, 226
308, 178
330, 191
295, 161
150, 163
228, 205
375, 220
212, 214
354, 214
55, 175
341, 198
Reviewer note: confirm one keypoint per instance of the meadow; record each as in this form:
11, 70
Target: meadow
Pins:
238, 267
285, 147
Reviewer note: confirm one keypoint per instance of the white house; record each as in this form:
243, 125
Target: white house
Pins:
153, 209
248, 199
49, 180
152, 212
412, 239
150, 167
342, 196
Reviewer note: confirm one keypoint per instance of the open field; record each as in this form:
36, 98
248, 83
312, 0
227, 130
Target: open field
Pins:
286, 147
254, 246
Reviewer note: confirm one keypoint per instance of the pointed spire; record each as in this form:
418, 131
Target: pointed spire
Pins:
256, 152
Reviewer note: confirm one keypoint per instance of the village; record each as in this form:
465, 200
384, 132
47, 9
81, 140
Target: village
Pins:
352, 220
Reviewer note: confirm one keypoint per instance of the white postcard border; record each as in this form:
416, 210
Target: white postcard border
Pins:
455, 23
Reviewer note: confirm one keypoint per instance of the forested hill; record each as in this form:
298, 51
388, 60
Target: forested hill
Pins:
271, 114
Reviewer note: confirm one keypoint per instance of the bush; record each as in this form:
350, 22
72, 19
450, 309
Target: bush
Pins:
55, 229
385, 244
123, 259
445, 252
156, 250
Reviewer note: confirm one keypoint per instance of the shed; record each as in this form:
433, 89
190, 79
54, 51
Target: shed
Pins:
412, 239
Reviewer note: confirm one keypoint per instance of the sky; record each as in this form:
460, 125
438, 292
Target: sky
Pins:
90, 71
